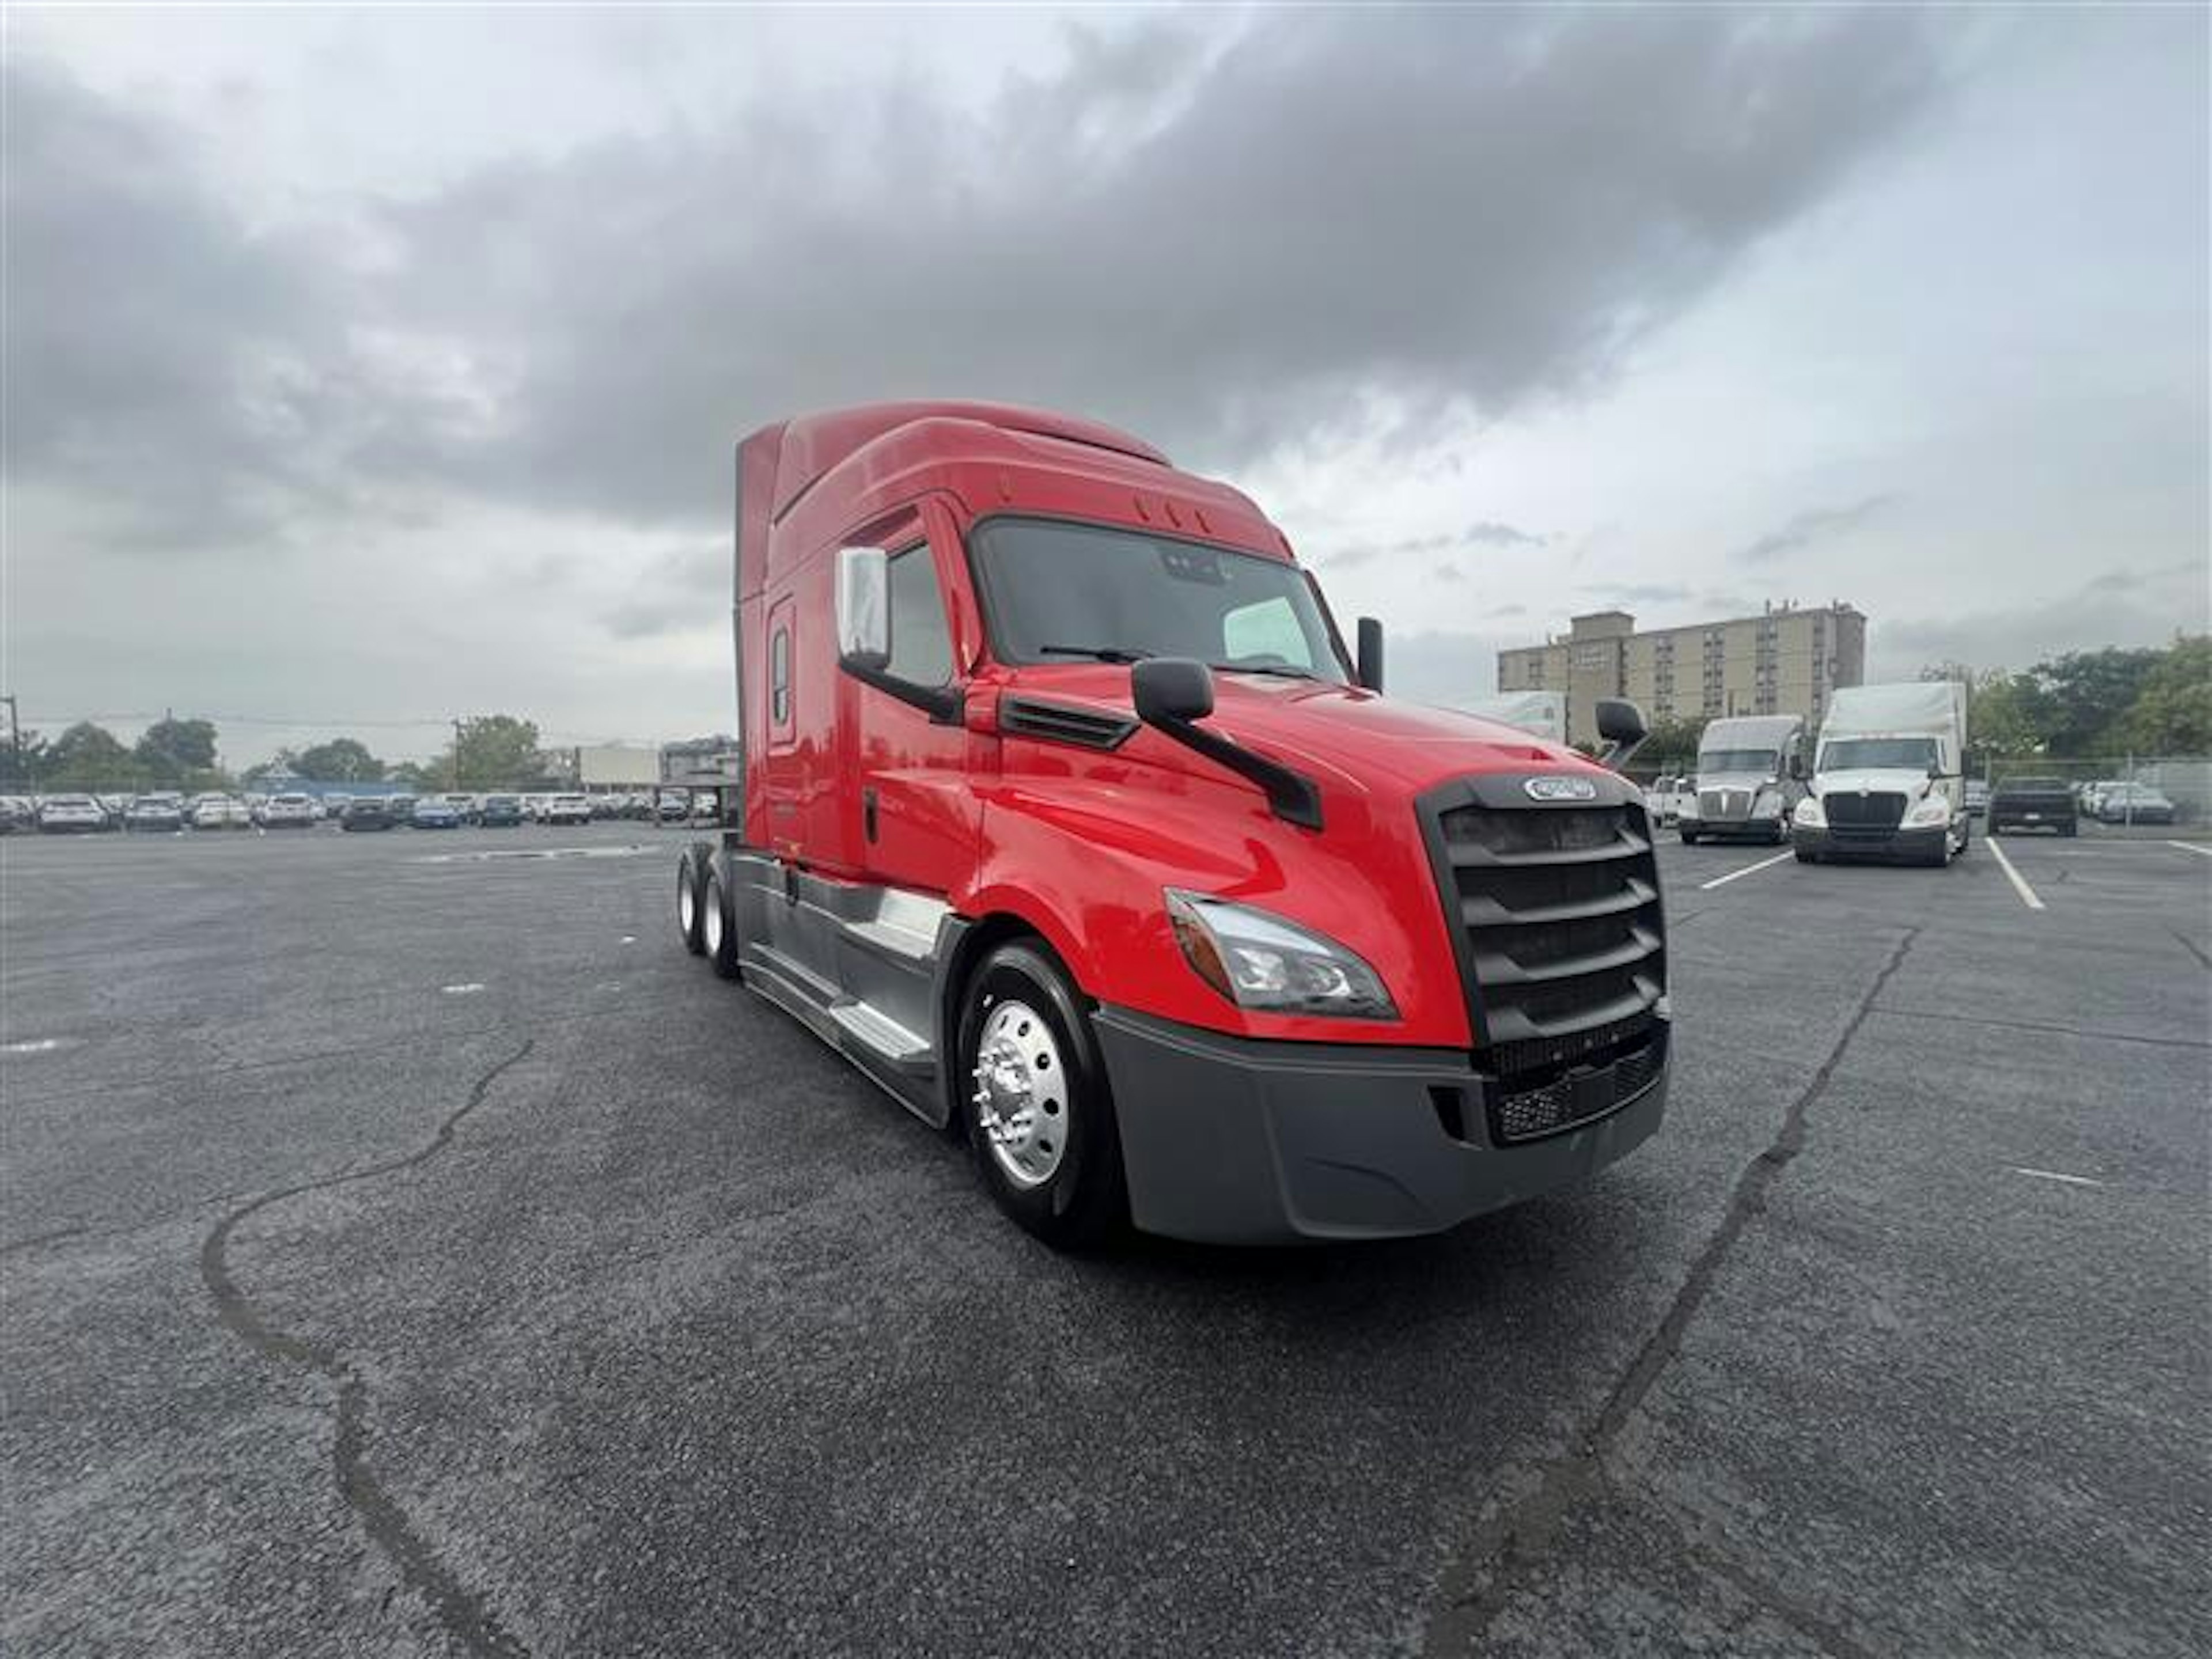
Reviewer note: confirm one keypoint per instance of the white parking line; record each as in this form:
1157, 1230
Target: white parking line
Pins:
2192, 846
1747, 870
468, 990
2053, 1174
2019, 885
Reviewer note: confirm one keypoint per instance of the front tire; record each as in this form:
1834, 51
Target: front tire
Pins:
1035, 1102
1689, 838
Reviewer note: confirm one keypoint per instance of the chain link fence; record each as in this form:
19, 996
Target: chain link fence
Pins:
2117, 789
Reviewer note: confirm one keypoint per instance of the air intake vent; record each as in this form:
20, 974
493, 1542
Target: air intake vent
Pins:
1059, 722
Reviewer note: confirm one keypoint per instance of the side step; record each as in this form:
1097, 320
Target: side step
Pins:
885, 1040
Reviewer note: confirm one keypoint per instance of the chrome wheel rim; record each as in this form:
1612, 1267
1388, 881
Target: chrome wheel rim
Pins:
687, 902
714, 923
1021, 1103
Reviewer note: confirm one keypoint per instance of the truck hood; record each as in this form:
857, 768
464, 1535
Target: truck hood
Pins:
1909, 784
1374, 741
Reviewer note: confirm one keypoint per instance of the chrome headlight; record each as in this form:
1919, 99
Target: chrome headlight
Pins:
1686, 805
1810, 814
1258, 960
1767, 804
1931, 809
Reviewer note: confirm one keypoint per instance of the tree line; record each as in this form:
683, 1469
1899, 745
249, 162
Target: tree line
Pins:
2082, 705
490, 751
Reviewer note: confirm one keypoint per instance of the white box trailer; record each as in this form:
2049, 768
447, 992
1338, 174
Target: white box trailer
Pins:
1888, 777
1540, 714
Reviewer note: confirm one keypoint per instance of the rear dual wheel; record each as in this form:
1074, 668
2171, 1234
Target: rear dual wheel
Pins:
706, 919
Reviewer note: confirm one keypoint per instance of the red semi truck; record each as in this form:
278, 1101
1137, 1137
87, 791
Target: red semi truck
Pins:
1067, 816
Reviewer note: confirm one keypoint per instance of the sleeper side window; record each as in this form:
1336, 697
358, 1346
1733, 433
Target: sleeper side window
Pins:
922, 641
779, 676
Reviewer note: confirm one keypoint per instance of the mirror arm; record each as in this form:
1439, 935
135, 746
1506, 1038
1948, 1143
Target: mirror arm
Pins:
1292, 796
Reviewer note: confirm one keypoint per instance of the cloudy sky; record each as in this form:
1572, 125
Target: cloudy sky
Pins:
366, 368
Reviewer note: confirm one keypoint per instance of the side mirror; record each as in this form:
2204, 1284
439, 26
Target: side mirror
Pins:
1368, 672
864, 608
1169, 690
1798, 767
1934, 769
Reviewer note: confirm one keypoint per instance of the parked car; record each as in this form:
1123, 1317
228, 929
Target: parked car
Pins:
288, 811
2091, 795
72, 815
675, 806
402, 807
500, 811
1978, 798
568, 809
435, 812
221, 812
2031, 804
16, 813
333, 806
367, 812
161, 812
2133, 803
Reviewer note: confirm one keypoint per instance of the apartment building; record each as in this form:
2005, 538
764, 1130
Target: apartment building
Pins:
1788, 660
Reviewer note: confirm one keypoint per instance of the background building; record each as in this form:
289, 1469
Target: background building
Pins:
1786, 661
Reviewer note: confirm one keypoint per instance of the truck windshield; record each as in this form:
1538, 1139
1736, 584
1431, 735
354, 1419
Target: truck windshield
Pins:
1737, 760
1878, 755
1054, 590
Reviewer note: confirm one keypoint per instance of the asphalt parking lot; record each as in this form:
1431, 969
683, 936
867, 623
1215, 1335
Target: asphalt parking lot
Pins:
409, 1249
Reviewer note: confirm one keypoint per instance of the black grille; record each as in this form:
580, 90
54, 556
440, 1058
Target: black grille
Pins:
1562, 947
1852, 814
1529, 1108
1059, 723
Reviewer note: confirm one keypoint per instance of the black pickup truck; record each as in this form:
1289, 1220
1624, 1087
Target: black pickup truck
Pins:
2031, 804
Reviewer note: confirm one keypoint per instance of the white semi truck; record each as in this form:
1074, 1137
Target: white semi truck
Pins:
1888, 779
1750, 772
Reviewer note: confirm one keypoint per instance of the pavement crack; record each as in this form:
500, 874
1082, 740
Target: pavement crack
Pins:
459, 1610
1509, 1548
2193, 948
1704, 1543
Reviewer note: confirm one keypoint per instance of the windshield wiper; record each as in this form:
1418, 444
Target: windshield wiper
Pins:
1285, 670
1095, 652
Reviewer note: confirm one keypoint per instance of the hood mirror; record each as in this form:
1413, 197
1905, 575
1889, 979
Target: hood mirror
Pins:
1168, 689
1620, 725
1173, 694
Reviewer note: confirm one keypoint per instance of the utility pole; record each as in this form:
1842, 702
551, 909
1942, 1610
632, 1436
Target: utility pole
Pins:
15, 739
457, 756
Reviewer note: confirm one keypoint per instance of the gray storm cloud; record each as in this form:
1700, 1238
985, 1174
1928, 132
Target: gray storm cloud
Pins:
1323, 224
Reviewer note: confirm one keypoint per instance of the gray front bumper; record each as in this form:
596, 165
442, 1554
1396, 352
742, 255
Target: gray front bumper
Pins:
1236, 1141
1732, 829
1897, 847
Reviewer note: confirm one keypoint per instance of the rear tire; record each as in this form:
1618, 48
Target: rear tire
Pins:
718, 925
1807, 856
1689, 838
1033, 1099
688, 914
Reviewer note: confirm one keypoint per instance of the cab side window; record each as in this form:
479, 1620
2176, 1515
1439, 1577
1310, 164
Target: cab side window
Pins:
922, 640
779, 676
